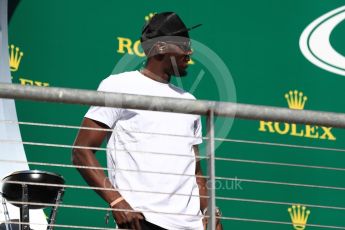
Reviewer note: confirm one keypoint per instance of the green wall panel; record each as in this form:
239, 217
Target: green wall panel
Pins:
258, 60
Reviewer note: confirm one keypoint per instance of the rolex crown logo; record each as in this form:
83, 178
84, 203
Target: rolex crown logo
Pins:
299, 216
149, 16
15, 58
295, 99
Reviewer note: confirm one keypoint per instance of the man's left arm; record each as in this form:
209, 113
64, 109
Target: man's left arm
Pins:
203, 191
201, 181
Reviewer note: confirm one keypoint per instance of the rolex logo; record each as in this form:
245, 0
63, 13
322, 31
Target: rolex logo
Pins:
127, 45
15, 58
149, 16
295, 99
299, 216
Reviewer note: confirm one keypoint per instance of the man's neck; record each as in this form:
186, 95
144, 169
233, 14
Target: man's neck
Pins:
156, 74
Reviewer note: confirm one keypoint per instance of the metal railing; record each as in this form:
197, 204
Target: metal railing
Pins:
165, 104
207, 108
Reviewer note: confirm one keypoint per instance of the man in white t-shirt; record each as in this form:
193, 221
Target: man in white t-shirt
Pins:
151, 155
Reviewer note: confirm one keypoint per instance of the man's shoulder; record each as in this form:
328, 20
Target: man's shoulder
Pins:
116, 82
183, 93
120, 76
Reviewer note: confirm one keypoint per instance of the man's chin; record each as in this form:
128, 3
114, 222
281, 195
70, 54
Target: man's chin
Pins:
182, 73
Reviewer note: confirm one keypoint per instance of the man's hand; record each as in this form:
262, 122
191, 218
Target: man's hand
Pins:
127, 219
219, 225
218, 213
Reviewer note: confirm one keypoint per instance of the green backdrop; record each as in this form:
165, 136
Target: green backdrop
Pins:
246, 52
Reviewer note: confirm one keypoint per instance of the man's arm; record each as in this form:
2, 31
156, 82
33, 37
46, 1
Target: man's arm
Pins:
203, 190
97, 177
200, 180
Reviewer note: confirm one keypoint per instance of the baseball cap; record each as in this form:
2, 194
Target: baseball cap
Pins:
165, 24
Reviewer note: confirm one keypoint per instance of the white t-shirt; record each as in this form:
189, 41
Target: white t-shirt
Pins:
133, 152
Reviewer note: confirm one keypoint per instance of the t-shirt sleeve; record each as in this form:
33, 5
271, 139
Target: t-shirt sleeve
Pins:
105, 115
197, 131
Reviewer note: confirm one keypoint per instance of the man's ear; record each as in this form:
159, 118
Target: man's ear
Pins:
159, 50
159, 57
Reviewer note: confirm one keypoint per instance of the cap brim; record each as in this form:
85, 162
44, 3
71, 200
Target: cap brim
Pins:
193, 27
186, 29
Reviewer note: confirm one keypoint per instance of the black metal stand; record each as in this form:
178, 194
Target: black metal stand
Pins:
29, 195
7, 226
52, 217
24, 209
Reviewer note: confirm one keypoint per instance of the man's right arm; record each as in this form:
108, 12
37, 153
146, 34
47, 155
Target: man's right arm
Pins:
96, 177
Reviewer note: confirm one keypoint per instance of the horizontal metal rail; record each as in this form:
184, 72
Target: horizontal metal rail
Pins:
202, 107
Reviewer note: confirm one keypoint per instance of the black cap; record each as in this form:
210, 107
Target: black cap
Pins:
165, 24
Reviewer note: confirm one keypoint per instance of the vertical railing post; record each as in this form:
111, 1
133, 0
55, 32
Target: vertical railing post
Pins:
4, 59
211, 172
